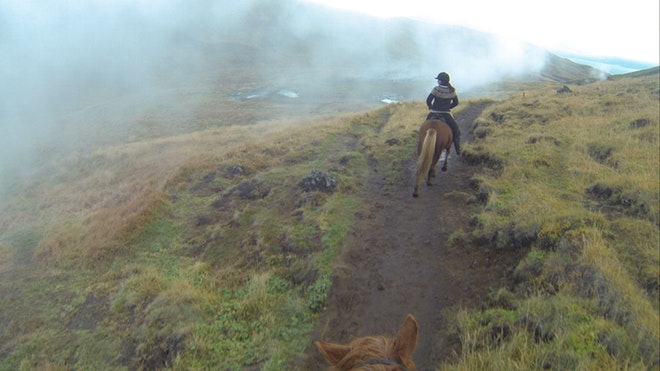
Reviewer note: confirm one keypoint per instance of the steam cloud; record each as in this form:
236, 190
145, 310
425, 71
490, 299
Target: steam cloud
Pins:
77, 74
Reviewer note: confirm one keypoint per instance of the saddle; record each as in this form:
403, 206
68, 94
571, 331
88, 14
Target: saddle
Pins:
437, 116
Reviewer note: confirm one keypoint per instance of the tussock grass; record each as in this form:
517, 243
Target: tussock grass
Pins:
98, 237
201, 251
576, 189
194, 251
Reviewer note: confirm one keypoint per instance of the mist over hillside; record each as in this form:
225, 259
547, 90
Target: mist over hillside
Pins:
613, 66
79, 75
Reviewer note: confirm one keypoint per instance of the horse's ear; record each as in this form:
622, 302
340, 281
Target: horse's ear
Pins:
333, 352
406, 338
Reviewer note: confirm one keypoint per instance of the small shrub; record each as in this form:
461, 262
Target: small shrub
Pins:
602, 153
317, 293
639, 123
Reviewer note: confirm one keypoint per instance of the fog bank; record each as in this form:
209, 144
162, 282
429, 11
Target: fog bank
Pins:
82, 74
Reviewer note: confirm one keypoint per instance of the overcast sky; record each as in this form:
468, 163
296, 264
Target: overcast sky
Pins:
596, 28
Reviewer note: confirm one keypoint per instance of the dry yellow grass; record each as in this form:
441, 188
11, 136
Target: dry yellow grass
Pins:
99, 235
577, 190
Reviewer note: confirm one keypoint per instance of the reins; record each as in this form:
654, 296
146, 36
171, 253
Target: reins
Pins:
385, 362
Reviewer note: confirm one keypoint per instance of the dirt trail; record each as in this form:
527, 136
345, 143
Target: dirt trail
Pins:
396, 261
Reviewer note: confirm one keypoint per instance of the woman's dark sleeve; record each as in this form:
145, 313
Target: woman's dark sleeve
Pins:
429, 101
454, 102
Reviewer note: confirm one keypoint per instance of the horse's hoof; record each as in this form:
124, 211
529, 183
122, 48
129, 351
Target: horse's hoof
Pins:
415, 195
444, 169
429, 184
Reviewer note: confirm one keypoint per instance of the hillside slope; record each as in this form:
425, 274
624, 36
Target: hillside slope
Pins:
204, 250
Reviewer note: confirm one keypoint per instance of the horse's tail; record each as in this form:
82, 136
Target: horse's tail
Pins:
425, 158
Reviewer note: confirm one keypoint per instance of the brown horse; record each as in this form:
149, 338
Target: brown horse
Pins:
434, 137
376, 353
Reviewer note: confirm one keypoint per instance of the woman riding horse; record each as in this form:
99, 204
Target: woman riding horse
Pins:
440, 102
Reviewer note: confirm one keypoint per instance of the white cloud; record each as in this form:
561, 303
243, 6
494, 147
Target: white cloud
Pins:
609, 28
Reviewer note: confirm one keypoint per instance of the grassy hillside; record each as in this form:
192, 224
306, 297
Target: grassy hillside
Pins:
202, 250
654, 71
205, 250
572, 181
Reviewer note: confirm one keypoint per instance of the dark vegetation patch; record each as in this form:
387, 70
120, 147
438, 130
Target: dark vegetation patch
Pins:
481, 190
602, 191
549, 273
481, 128
311, 199
613, 201
482, 132
537, 327
477, 157
162, 354
233, 171
497, 117
538, 139
207, 185
561, 233
540, 163
345, 160
222, 203
564, 90
639, 123
520, 117
590, 282
204, 219
602, 154
393, 142
90, 313
252, 190
515, 237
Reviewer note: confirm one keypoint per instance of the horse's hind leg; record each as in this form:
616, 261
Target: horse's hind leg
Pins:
444, 164
429, 178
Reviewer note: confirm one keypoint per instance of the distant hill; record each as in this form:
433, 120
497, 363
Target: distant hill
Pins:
564, 70
331, 44
647, 72
613, 66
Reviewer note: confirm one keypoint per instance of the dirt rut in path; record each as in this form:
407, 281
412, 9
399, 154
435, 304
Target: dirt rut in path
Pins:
397, 261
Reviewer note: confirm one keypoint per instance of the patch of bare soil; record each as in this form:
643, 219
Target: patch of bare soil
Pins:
397, 261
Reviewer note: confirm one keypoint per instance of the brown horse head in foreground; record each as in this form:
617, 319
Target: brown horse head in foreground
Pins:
434, 137
376, 353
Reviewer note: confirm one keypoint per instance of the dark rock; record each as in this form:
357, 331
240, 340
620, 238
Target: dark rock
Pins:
564, 89
318, 181
252, 190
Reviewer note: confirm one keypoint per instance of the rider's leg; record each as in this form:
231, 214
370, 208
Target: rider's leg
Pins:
456, 132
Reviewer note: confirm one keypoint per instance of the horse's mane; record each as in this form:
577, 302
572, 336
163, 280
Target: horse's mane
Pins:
365, 349
378, 353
